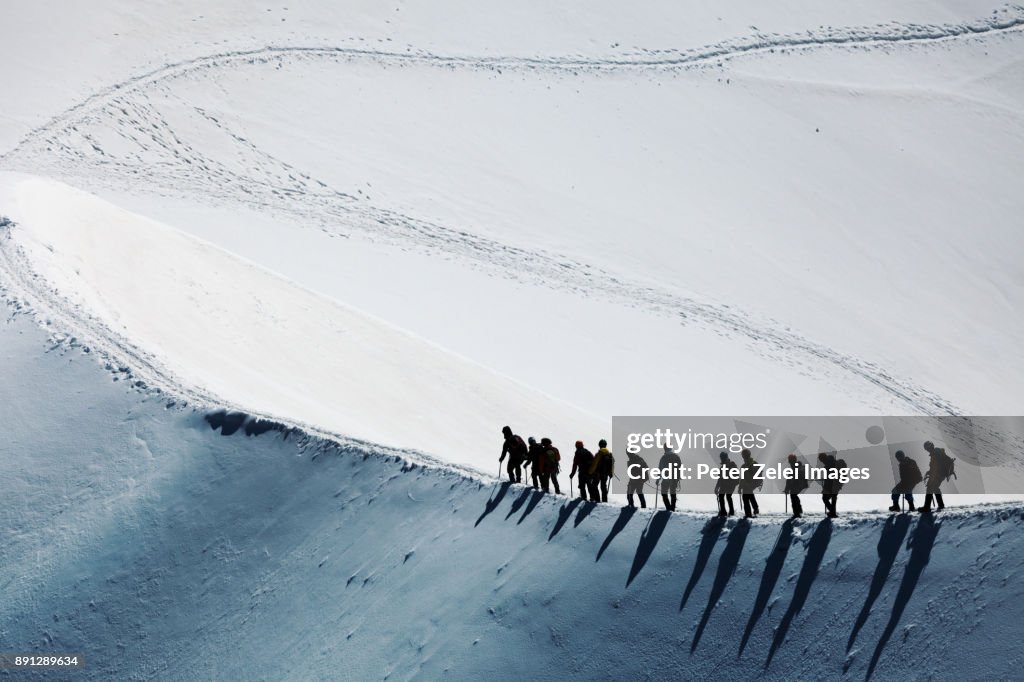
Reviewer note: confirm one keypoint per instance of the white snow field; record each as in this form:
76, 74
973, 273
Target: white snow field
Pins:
228, 327
133, 534
811, 208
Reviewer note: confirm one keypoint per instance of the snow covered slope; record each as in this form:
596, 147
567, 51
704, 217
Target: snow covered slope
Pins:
134, 534
196, 319
618, 207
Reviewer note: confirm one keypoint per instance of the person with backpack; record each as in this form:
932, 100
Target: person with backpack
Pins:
725, 487
550, 466
535, 454
635, 486
515, 448
581, 463
910, 476
830, 486
669, 484
748, 484
603, 468
796, 485
940, 468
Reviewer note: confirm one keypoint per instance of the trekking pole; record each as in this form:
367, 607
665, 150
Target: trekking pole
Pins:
785, 503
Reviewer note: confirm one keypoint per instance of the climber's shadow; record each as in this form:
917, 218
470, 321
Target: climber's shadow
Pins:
648, 540
921, 541
494, 501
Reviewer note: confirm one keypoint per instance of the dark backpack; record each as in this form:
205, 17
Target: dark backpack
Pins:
585, 458
913, 473
607, 464
554, 457
947, 464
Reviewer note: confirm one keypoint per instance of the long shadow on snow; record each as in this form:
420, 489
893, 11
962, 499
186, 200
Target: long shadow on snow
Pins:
494, 501
816, 548
889, 544
772, 570
648, 540
727, 564
518, 503
711, 532
563, 515
625, 514
920, 544
583, 513
538, 495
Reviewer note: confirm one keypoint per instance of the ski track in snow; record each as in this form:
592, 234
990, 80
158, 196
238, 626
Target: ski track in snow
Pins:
1012, 19
78, 144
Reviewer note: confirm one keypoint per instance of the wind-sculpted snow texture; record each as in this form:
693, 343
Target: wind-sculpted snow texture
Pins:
141, 134
179, 542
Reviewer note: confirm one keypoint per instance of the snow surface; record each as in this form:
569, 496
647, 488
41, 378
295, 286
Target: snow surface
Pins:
624, 204
235, 329
136, 535
400, 227
616, 208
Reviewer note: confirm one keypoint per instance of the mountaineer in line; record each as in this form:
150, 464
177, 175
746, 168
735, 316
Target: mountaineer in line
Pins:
910, 476
830, 488
635, 486
581, 463
551, 465
748, 484
725, 487
796, 485
941, 467
515, 448
602, 470
535, 455
669, 460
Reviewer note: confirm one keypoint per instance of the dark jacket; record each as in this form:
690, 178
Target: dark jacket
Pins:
632, 459
749, 484
671, 482
535, 457
581, 462
515, 448
727, 486
910, 474
936, 470
830, 486
797, 484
